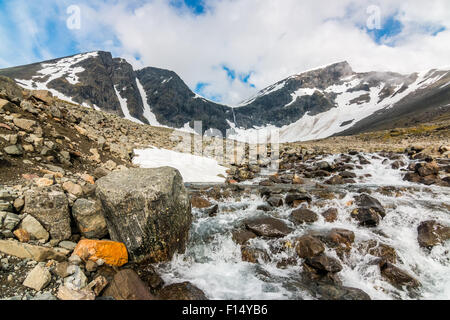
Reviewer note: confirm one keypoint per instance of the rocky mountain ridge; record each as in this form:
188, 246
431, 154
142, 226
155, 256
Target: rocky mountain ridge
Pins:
315, 104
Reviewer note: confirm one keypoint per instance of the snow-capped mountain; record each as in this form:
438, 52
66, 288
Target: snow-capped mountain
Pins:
315, 104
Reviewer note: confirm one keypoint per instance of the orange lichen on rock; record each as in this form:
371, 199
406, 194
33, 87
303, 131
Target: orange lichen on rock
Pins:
111, 252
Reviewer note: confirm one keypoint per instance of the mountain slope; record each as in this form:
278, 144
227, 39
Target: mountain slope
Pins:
314, 104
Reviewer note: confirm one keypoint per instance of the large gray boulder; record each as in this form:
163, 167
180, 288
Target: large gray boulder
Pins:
51, 208
148, 210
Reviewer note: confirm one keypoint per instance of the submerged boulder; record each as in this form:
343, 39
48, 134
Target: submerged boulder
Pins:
148, 210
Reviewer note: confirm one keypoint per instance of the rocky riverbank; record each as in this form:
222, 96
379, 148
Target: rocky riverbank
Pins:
78, 221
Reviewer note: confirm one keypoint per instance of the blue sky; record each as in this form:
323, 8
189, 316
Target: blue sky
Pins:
226, 50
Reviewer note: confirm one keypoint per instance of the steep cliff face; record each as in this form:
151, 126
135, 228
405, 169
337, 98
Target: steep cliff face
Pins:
175, 105
315, 104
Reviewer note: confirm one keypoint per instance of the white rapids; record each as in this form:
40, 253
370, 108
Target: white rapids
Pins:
213, 262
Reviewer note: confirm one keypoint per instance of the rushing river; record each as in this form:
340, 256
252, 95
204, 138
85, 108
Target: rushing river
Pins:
213, 260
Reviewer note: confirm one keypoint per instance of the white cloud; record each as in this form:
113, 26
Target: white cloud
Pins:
273, 39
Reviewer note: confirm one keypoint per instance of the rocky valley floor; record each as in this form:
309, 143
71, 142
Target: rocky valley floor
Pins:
362, 217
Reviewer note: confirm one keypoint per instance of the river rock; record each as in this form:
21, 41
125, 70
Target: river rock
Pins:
378, 249
28, 251
242, 236
397, 276
24, 124
182, 291
10, 220
147, 209
337, 179
275, 200
127, 285
340, 240
22, 235
38, 278
65, 293
200, 203
34, 228
308, 246
367, 202
77, 279
14, 150
330, 215
431, 233
254, 255
98, 284
268, 227
304, 215
89, 218
297, 196
72, 188
338, 292
51, 208
111, 252
367, 217
324, 263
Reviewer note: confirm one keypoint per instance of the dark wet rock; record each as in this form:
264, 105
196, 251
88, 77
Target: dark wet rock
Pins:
268, 191
366, 201
275, 200
340, 240
337, 237
367, 217
264, 207
266, 183
398, 277
337, 179
362, 160
431, 233
308, 246
212, 211
268, 227
427, 169
254, 255
347, 174
324, 165
242, 236
378, 249
412, 177
304, 215
127, 285
182, 291
148, 275
148, 210
200, 203
397, 164
317, 174
324, 263
245, 174
337, 292
297, 196
330, 215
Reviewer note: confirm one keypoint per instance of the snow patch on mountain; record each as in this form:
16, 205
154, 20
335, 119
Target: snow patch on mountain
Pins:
346, 113
124, 107
148, 114
300, 93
